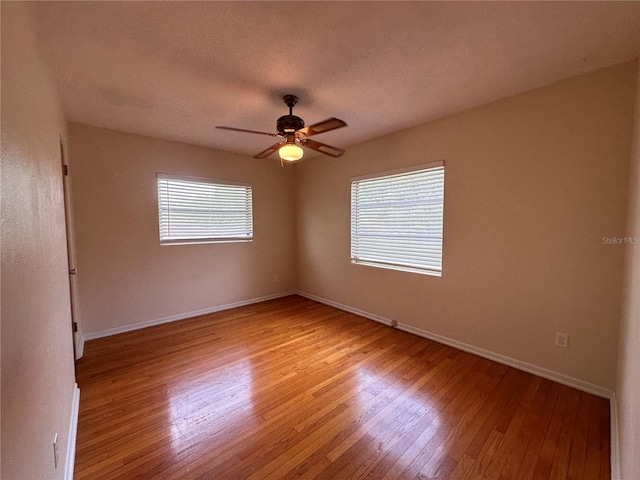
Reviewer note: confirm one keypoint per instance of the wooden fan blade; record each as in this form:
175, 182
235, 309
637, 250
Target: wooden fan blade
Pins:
268, 151
322, 148
321, 127
248, 131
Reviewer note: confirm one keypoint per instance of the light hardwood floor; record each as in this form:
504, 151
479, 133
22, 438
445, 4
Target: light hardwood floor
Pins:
290, 388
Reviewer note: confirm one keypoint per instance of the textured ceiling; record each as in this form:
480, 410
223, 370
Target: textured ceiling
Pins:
176, 69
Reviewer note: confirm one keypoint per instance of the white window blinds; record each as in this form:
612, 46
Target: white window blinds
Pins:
396, 220
200, 210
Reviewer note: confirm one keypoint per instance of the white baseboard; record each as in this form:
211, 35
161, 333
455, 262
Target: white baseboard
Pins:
181, 316
496, 357
615, 438
71, 435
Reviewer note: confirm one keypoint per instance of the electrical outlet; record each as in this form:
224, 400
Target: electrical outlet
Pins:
56, 453
562, 340
275, 279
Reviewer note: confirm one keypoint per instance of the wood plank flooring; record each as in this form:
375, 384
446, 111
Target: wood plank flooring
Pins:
294, 389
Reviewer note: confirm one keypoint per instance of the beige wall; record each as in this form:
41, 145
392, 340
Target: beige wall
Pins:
125, 276
532, 184
37, 356
628, 384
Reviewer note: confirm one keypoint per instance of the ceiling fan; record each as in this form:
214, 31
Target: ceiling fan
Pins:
295, 135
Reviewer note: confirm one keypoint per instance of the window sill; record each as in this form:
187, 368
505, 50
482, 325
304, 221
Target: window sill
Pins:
202, 242
398, 268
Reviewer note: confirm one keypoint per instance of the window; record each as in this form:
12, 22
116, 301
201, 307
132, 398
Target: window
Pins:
195, 210
396, 219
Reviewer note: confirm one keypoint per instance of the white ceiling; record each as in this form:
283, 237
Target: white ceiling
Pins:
176, 69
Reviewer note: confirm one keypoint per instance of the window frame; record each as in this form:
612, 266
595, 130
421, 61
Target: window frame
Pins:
204, 239
381, 263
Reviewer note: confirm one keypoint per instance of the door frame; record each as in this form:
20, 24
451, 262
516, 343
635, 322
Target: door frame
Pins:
71, 257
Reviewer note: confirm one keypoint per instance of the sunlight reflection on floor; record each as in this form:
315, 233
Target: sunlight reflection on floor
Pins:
208, 404
413, 405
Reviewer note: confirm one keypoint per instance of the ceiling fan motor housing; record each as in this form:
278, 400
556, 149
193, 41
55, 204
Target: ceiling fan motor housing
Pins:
289, 124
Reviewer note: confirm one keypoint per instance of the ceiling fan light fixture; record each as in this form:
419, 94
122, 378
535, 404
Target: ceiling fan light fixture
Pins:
290, 152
